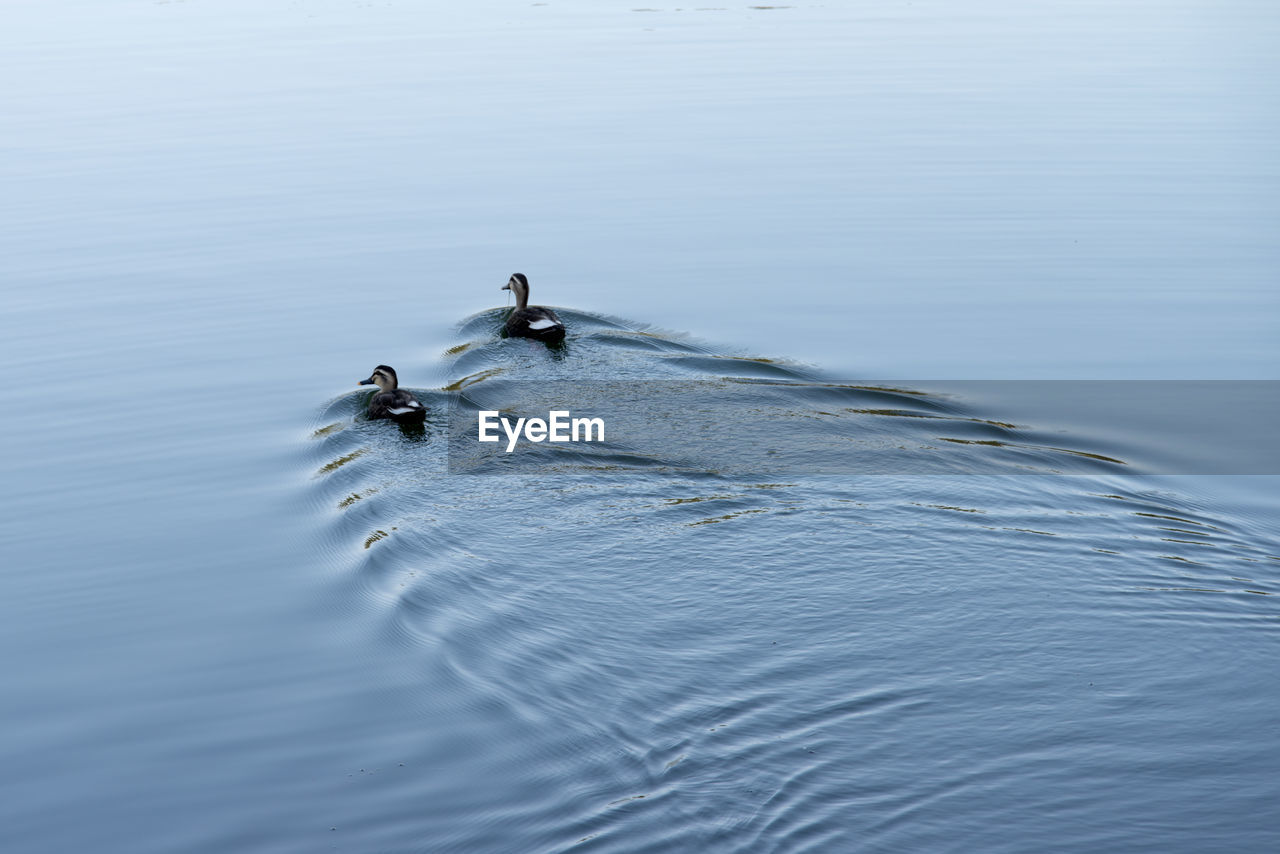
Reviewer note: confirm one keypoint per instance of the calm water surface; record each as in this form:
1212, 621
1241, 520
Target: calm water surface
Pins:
236, 616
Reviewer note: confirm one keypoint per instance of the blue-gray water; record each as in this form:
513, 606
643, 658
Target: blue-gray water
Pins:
237, 617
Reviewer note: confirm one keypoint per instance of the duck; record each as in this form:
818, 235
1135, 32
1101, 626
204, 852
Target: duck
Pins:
391, 401
530, 321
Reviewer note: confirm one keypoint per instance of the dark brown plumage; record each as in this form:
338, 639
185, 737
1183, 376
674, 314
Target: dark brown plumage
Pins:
530, 321
391, 401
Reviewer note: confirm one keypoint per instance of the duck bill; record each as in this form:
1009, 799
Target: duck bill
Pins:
366, 382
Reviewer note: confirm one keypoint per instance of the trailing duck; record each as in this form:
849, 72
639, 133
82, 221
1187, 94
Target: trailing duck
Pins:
391, 401
530, 321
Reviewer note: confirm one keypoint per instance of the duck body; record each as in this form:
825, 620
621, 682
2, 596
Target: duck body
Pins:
391, 401
530, 321
534, 322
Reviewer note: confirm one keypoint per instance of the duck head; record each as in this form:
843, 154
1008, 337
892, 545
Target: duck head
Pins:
383, 377
518, 285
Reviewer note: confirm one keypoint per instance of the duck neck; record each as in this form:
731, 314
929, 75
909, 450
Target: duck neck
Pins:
522, 299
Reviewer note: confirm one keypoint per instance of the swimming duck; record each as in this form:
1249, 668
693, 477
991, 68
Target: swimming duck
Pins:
391, 401
526, 321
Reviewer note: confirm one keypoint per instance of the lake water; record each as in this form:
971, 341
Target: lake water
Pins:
238, 616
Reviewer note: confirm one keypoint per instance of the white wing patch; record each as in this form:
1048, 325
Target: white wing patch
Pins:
401, 410
543, 323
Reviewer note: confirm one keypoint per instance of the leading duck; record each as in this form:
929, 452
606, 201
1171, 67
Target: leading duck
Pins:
530, 321
391, 401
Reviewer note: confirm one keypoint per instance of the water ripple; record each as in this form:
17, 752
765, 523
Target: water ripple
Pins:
697, 662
